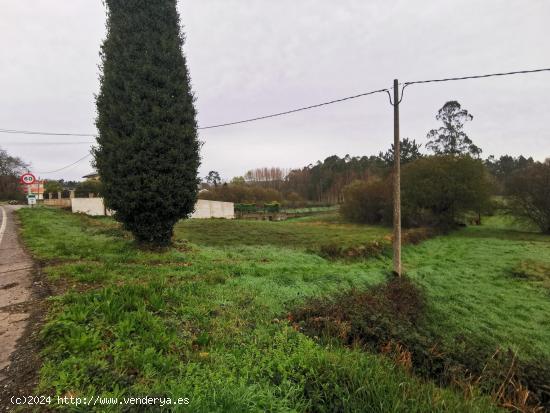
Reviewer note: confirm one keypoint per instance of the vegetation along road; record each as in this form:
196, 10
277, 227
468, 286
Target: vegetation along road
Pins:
215, 317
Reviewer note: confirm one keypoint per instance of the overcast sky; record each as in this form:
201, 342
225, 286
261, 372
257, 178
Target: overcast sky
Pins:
253, 57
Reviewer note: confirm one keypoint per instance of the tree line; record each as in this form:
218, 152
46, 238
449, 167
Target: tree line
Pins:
438, 188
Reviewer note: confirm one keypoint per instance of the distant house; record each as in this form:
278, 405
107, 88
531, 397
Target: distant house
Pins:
91, 177
36, 188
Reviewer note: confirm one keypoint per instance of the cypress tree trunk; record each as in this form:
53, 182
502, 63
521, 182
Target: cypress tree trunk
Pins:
148, 152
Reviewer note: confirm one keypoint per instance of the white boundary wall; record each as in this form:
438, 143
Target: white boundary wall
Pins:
88, 206
203, 208
213, 209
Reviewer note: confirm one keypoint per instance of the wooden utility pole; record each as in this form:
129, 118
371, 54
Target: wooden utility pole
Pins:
396, 183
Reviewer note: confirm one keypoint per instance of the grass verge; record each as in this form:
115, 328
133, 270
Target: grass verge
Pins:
203, 320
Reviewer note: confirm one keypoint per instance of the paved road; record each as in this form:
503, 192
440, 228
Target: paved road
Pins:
16, 283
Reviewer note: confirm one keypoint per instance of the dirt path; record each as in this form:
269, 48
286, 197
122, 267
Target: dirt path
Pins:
17, 292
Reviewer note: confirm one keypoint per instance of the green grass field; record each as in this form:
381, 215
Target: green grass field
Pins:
300, 233
206, 319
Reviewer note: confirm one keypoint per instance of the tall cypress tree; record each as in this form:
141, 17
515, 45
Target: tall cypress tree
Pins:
148, 150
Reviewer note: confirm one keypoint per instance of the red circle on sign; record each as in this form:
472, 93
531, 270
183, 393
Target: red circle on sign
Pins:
28, 179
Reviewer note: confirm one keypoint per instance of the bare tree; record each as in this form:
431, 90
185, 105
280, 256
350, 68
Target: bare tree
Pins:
11, 168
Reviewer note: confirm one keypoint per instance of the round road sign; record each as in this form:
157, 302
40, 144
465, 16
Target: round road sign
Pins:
28, 179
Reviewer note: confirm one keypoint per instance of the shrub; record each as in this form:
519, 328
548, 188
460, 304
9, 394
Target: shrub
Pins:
371, 318
272, 207
389, 318
367, 202
529, 189
371, 249
88, 187
415, 236
10, 188
242, 194
436, 191
246, 208
439, 190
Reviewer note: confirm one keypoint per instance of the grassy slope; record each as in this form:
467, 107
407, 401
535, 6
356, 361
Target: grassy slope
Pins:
472, 291
301, 233
202, 323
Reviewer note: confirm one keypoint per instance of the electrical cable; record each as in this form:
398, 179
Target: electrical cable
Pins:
65, 167
405, 84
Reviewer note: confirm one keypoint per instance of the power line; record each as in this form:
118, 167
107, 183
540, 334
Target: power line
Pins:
450, 79
213, 126
65, 167
519, 72
294, 110
27, 132
47, 143
405, 84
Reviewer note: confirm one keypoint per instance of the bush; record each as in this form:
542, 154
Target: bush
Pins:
440, 190
52, 186
84, 188
368, 202
371, 249
529, 190
372, 318
242, 194
272, 207
246, 208
389, 318
436, 191
10, 189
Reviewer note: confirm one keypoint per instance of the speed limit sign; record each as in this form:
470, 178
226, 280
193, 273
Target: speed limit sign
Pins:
28, 179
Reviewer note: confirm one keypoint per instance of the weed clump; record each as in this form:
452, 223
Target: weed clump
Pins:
373, 318
376, 248
389, 319
370, 249
536, 272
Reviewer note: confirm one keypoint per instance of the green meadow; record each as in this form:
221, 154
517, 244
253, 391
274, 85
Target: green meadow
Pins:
207, 318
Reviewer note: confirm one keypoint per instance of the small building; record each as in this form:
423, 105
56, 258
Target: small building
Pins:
36, 188
92, 177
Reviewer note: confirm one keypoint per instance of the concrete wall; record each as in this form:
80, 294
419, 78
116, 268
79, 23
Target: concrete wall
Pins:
213, 209
89, 206
203, 208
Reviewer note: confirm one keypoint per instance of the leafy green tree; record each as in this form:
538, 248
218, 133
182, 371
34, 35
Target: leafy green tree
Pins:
53, 187
368, 202
450, 139
324, 182
213, 178
84, 188
238, 180
529, 189
436, 191
409, 151
439, 190
503, 169
148, 152
11, 168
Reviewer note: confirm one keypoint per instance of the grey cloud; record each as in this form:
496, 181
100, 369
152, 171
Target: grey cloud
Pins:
253, 57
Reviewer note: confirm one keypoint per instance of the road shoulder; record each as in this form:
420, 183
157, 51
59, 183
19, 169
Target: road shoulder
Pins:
23, 306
